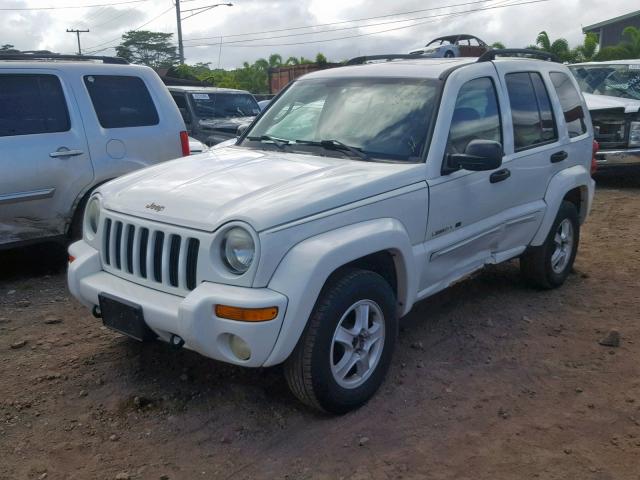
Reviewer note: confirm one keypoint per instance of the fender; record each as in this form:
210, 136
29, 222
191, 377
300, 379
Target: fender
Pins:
560, 184
307, 266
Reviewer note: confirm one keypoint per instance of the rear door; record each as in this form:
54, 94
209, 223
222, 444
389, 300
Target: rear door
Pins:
44, 157
535, 151
131, 120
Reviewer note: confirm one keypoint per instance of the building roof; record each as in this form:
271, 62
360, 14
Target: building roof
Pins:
598, 26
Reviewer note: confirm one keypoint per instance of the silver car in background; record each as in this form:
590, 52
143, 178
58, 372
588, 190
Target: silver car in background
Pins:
69, 124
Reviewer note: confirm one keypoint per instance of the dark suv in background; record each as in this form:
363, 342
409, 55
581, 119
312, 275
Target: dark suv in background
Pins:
213, 115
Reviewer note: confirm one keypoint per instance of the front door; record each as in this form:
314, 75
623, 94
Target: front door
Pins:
44, 159
466, 208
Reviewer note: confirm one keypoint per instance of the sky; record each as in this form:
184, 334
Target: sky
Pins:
340, 29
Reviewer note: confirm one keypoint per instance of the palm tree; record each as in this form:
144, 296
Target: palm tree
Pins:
497, 45
292, 61
275, 60
633, 44
559, 47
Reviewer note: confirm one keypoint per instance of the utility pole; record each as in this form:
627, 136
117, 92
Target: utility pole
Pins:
191, 13
77, 32
180, 46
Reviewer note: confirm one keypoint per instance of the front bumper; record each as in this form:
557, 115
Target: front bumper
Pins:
191, 317
606, 158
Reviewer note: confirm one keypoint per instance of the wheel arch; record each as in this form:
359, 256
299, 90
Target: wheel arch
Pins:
381, 245
573, 184
80, 202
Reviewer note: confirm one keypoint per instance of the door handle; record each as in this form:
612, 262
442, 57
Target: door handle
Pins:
559, 156
65, 152
500, 175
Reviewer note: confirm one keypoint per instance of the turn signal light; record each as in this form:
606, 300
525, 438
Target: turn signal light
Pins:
71, 258
246, 314
594, 163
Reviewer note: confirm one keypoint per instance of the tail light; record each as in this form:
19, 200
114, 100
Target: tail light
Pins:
184, 141
594, 164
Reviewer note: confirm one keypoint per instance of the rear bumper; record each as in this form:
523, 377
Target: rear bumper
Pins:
191, 317
606, 158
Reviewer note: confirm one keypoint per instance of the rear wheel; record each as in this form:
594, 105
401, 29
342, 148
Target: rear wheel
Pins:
549, 265
345, 351
449, 54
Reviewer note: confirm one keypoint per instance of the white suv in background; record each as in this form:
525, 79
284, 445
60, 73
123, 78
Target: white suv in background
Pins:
359, 191
68, 124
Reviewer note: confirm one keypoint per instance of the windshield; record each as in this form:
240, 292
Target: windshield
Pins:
386, 118
614, 80
224, 105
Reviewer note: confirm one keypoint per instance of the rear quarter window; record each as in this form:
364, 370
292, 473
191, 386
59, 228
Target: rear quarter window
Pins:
121, 101
570, 102
31, 104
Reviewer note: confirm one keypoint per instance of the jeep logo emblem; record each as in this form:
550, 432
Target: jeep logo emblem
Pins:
153, 206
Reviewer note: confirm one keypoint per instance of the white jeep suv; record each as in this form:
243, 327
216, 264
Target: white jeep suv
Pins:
358, 192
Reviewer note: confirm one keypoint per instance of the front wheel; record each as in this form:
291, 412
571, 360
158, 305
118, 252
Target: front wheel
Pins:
549, 265
449, 54
345, 351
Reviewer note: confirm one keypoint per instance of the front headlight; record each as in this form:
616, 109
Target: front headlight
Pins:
634, 134
238, 250
92, 217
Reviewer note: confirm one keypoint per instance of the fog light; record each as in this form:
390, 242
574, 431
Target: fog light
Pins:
239, 347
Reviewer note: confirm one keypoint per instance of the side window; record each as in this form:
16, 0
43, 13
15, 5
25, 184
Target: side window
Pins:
571, 103
32, 103
533, 120
121, 101
181, 102
476, 115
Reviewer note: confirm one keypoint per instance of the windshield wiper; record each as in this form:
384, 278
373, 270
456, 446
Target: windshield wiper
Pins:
337, 145
281, 144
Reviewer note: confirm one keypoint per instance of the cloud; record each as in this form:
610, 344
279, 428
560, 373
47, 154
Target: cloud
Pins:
516, 26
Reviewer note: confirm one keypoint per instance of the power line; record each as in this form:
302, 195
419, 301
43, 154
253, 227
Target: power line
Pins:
66, 7
350, 28
132, 30
239, 43
341, 22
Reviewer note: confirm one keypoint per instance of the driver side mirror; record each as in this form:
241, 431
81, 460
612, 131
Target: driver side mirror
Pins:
479, 155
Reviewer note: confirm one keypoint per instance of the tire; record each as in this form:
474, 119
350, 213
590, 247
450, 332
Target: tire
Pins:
540, 266
449, 54
314, 371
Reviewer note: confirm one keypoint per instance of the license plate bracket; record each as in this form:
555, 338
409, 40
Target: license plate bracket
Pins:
124, 317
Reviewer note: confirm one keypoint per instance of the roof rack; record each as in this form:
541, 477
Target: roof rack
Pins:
57, 56
490, 55
391, 56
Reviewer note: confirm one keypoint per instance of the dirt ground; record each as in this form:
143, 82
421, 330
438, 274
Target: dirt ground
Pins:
491, 380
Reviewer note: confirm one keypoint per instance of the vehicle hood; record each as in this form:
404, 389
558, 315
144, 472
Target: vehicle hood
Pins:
601, 102
262, 188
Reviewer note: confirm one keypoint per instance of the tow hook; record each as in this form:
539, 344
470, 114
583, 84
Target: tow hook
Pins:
176, 341
96, 311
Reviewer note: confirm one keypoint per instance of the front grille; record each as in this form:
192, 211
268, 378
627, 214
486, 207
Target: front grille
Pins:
165, 258
610, 128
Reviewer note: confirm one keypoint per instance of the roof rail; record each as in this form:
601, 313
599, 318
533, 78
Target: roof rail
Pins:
392, 56
57, 56
490, 55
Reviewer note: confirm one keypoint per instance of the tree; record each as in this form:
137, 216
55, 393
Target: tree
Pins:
587, 51
292, 61
321, 60
275, 60
8, 48
154, 49
559, 47
497, 45
632, 42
